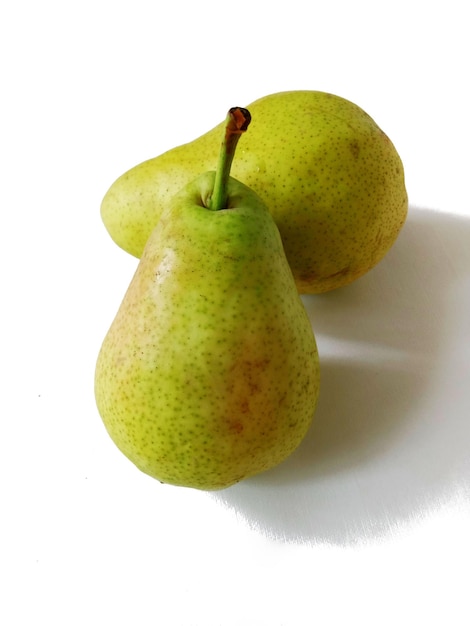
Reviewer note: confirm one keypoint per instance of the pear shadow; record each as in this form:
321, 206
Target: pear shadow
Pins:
373, 456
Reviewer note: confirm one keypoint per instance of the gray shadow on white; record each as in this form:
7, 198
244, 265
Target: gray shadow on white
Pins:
385, 445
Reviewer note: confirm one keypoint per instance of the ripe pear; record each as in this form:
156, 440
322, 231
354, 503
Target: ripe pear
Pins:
209, 372
331, 178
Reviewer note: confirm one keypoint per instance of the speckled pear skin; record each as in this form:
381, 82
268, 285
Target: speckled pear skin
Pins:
209, 373
331, 178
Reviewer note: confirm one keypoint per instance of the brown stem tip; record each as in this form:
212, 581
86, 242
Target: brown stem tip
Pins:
239, 120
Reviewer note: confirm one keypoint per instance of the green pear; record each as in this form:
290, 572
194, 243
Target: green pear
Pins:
209, 372
331, 178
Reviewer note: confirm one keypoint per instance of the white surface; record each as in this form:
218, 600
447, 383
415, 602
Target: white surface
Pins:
369, 520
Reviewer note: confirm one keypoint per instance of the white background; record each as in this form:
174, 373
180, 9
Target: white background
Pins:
369, 520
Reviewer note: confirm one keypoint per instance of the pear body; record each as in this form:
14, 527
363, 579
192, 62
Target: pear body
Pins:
331, 178
209, 372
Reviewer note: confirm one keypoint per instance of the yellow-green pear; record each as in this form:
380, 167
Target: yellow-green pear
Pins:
209, 372
331, 178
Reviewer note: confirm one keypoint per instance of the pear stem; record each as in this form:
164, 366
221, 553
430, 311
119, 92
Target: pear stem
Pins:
236, 123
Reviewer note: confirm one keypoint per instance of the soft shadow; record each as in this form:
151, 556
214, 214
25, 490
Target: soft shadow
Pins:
368, 463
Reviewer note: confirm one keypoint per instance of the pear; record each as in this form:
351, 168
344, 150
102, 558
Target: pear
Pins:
209, 372
331, 178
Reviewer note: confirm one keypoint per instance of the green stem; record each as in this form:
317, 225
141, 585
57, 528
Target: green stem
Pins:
236, 123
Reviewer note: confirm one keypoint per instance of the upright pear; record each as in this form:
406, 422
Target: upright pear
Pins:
331, 178
209, 372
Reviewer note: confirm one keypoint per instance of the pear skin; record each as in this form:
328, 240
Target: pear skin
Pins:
209, 372
331, 178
